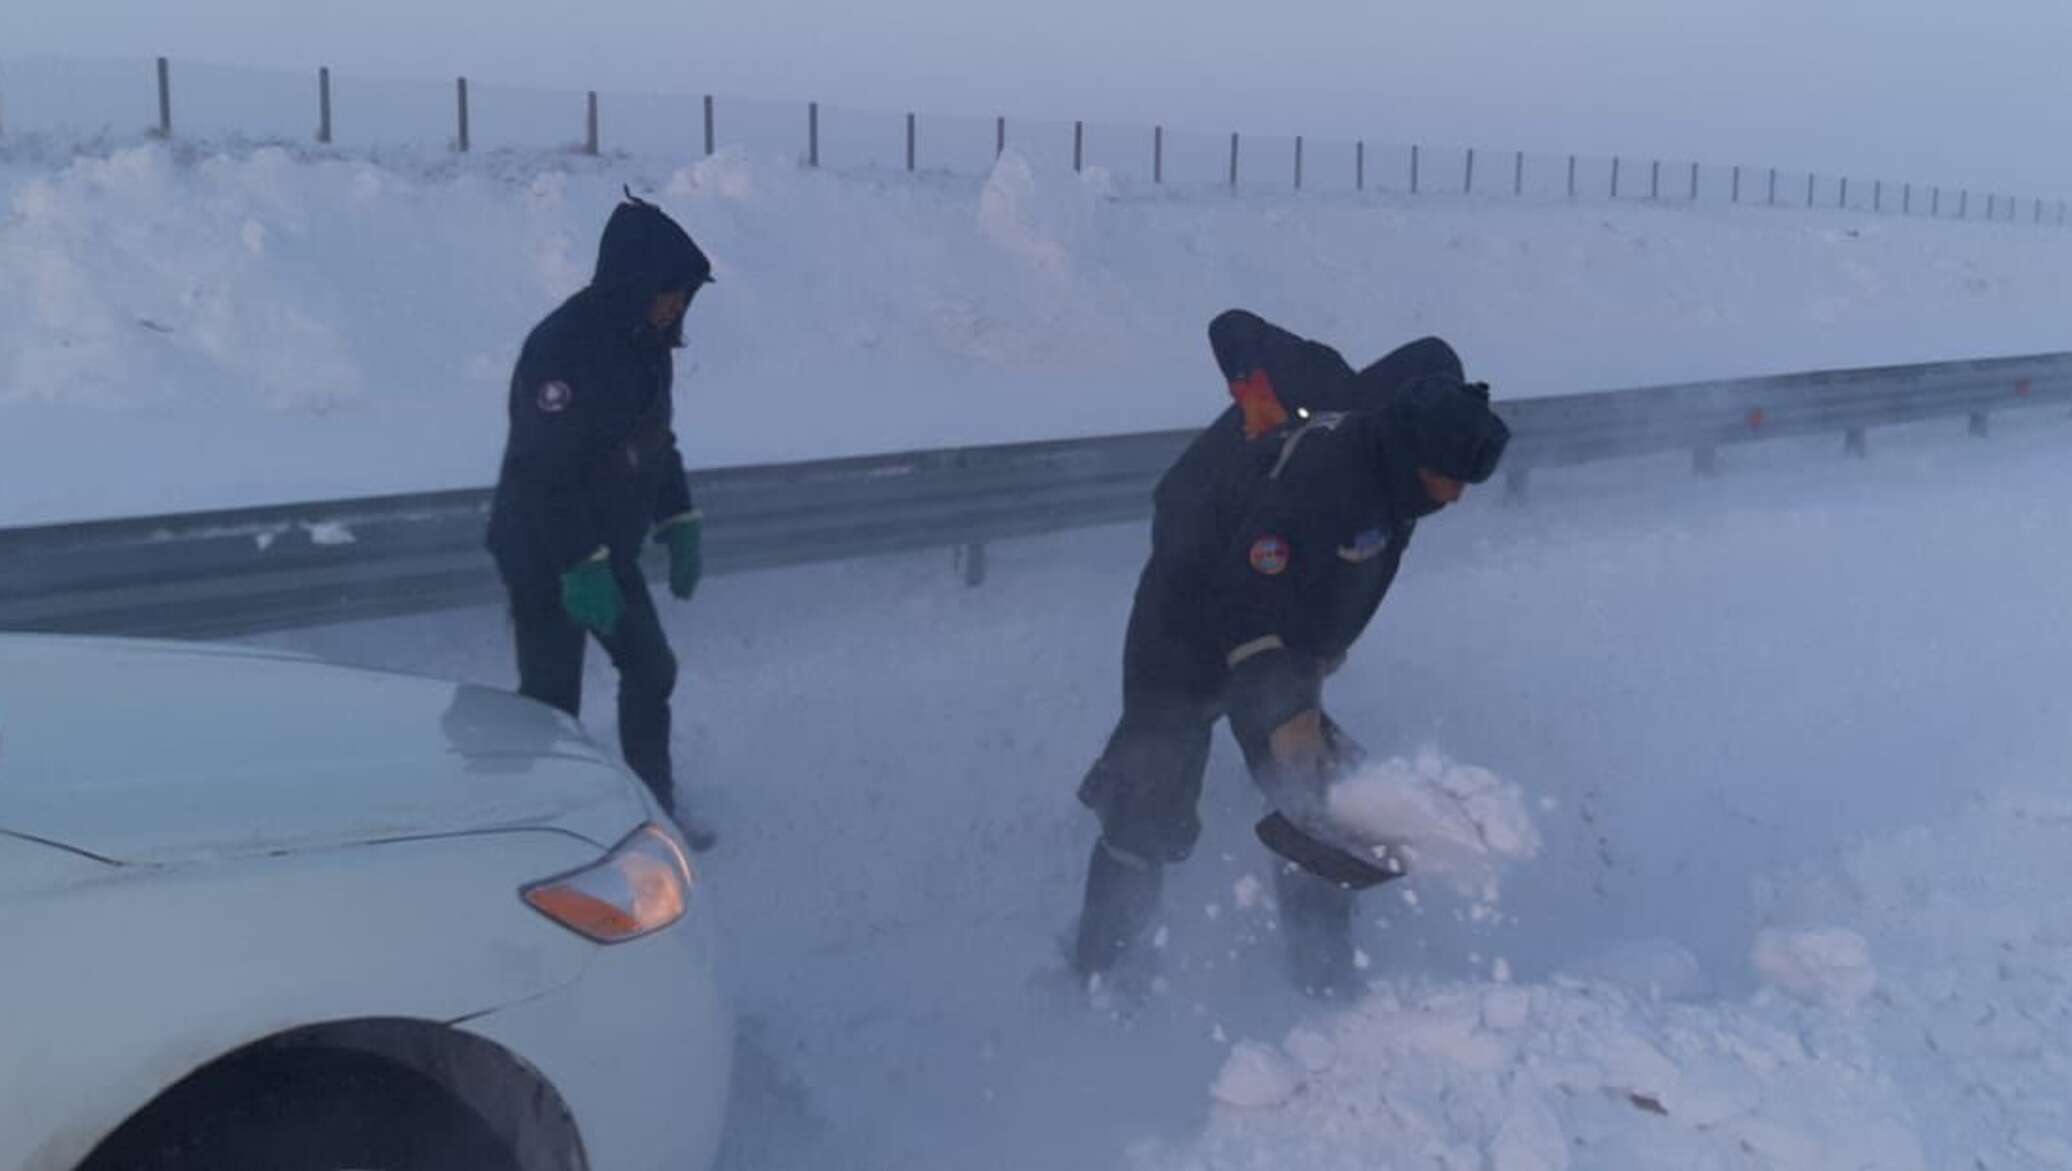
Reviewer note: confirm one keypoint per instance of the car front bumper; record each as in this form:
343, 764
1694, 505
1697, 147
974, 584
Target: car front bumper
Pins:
640, 1048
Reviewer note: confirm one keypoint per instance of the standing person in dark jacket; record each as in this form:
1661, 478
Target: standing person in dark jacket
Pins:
1276, 535
591, 472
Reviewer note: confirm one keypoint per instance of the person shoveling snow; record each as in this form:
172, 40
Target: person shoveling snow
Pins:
1276, 535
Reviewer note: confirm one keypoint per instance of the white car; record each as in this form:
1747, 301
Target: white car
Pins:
260, 912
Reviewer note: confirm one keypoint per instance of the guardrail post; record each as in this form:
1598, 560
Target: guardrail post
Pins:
1737, 183
1705, 460
1571, 176
1694, 182
1078, 146
972, 559
1980, 425
1158, 154
1655, 180
999, 136
910, 146
708, 126
1773, 187
1615, 176
1360, 165
1298, 162
590, 125
1518, 174
1413, 169
812, 134
1467, 184
1233, 160
1856, 442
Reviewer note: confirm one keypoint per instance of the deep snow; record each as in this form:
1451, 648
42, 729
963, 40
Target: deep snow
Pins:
1791, 742
224, 325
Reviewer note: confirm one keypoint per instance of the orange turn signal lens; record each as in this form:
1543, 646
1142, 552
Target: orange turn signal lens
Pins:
639, 888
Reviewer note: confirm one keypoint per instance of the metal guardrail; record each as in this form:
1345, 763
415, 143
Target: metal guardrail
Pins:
216, 574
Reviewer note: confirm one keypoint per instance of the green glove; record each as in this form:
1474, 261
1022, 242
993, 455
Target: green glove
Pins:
683, 535
591, 595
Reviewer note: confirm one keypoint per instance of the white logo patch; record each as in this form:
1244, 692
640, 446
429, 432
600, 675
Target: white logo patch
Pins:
554, 397
1365, 546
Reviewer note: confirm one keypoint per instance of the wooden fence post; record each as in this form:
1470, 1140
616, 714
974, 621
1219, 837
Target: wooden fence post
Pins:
324, 104
165, 98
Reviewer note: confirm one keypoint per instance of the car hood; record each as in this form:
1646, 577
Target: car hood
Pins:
156, 752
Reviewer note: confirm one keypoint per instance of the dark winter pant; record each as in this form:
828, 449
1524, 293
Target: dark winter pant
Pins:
1146, 788
550, 669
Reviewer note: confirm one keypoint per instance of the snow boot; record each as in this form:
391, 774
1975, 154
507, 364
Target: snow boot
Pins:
1122, 893
1317, 921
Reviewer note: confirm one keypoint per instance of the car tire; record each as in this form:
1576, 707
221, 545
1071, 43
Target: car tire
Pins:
310, 1111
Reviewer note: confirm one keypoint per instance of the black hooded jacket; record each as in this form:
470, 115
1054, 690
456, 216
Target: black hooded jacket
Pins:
591, 461
1327, 501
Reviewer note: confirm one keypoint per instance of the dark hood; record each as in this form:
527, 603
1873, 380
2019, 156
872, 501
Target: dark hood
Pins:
644, 252
1448, 426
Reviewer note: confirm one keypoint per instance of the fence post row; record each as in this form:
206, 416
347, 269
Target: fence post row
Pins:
324, 104
593, 145
460, 89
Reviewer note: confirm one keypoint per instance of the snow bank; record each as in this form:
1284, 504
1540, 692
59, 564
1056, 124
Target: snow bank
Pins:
1487, 1077
245, 324
1949, 1055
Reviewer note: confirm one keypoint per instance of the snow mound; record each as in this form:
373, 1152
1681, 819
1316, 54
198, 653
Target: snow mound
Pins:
1484, 1077
1829, 966
1451, 821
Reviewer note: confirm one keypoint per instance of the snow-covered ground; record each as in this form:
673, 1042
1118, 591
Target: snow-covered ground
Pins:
1793, 743
191, 325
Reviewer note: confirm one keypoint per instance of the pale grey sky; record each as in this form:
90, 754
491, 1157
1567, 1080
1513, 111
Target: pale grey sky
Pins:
1968, 91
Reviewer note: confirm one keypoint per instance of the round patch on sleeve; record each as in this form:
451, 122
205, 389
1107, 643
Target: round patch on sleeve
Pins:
554, 397
1270, 555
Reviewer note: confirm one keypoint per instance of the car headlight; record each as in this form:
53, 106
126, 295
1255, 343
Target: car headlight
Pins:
639, 888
